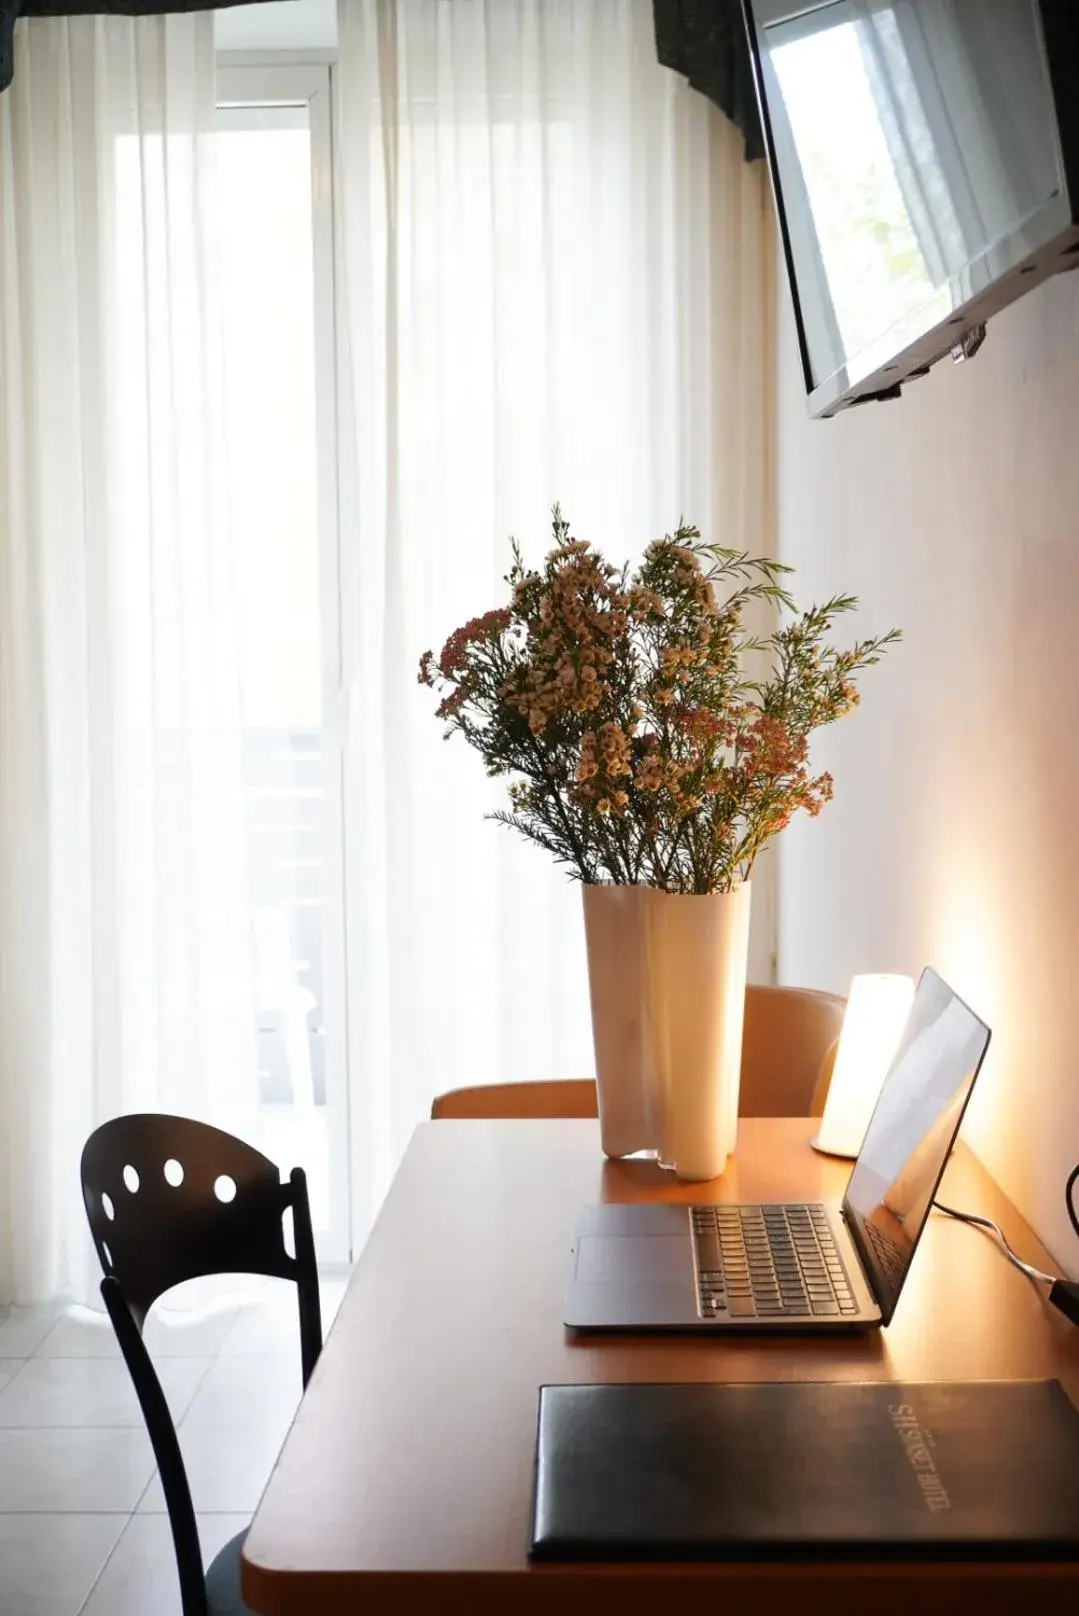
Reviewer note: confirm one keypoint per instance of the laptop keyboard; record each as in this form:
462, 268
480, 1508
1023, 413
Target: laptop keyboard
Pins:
768, 1262
892, 1258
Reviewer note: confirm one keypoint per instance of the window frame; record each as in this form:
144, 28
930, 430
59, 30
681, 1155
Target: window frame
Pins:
255, 93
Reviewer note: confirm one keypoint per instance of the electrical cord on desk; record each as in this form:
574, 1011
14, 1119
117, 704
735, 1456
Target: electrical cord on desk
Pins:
1063, 1293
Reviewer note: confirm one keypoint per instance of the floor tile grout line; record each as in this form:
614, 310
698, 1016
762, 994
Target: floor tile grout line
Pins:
254, 1423
139, 1425
115, 1355
208, 1359
153, 1477
49, 1333
107, 1562
211, 1355
204, 1514
127, 1515
119, 1513
176, 1427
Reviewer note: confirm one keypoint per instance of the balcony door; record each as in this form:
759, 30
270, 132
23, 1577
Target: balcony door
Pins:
277, 268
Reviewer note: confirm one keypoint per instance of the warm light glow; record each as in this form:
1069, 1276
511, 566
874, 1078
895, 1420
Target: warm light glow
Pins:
877, 1009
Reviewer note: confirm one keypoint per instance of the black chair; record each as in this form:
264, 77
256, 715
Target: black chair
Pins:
170, 1199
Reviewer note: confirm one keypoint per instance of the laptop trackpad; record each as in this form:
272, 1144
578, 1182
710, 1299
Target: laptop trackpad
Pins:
633, 1259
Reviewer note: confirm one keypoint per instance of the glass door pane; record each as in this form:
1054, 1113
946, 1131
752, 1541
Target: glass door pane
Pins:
269, 302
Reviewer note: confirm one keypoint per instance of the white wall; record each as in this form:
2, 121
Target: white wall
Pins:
953, 838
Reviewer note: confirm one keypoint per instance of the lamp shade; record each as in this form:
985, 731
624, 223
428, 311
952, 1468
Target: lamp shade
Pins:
877, 1009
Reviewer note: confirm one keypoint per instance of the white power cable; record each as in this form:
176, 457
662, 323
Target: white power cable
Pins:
987, 1223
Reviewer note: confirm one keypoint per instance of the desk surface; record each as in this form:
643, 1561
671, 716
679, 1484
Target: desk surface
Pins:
406, 1478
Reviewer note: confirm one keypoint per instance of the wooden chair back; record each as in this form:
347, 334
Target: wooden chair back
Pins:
788, 1045
567, 1097
789, 1036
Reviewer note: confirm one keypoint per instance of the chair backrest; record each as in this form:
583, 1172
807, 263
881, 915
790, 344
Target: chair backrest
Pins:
787, 1037
171, 1199
567, 1097
787, 1043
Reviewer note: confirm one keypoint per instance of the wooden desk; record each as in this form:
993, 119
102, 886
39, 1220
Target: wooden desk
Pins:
405, 1483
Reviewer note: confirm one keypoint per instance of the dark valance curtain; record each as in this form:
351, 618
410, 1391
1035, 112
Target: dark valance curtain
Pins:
10, 9
705, 41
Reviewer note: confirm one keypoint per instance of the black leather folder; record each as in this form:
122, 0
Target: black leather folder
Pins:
807, 1470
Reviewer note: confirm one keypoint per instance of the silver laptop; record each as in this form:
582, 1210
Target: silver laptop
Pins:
797, 1265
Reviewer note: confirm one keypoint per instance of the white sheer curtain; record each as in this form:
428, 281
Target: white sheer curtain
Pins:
125, 973
556, 279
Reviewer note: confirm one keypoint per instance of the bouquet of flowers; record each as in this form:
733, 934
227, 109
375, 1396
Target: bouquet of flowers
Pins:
640, 747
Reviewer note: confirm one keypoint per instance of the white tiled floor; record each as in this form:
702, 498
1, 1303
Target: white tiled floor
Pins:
82, 1525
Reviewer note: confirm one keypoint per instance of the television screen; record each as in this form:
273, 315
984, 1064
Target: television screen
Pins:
917, 160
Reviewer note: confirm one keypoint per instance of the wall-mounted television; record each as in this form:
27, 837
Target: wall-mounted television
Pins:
925, 163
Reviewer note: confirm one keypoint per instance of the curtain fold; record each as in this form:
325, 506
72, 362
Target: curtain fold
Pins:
125, 969
10, 10
556, 285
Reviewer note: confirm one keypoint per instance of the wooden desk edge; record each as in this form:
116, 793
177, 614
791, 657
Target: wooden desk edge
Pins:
834, 1586
830, 1587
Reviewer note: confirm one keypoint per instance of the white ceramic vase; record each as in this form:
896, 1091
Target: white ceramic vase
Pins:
667, 975
616, 937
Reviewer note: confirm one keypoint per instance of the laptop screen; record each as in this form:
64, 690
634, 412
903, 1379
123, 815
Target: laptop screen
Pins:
911, 1132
